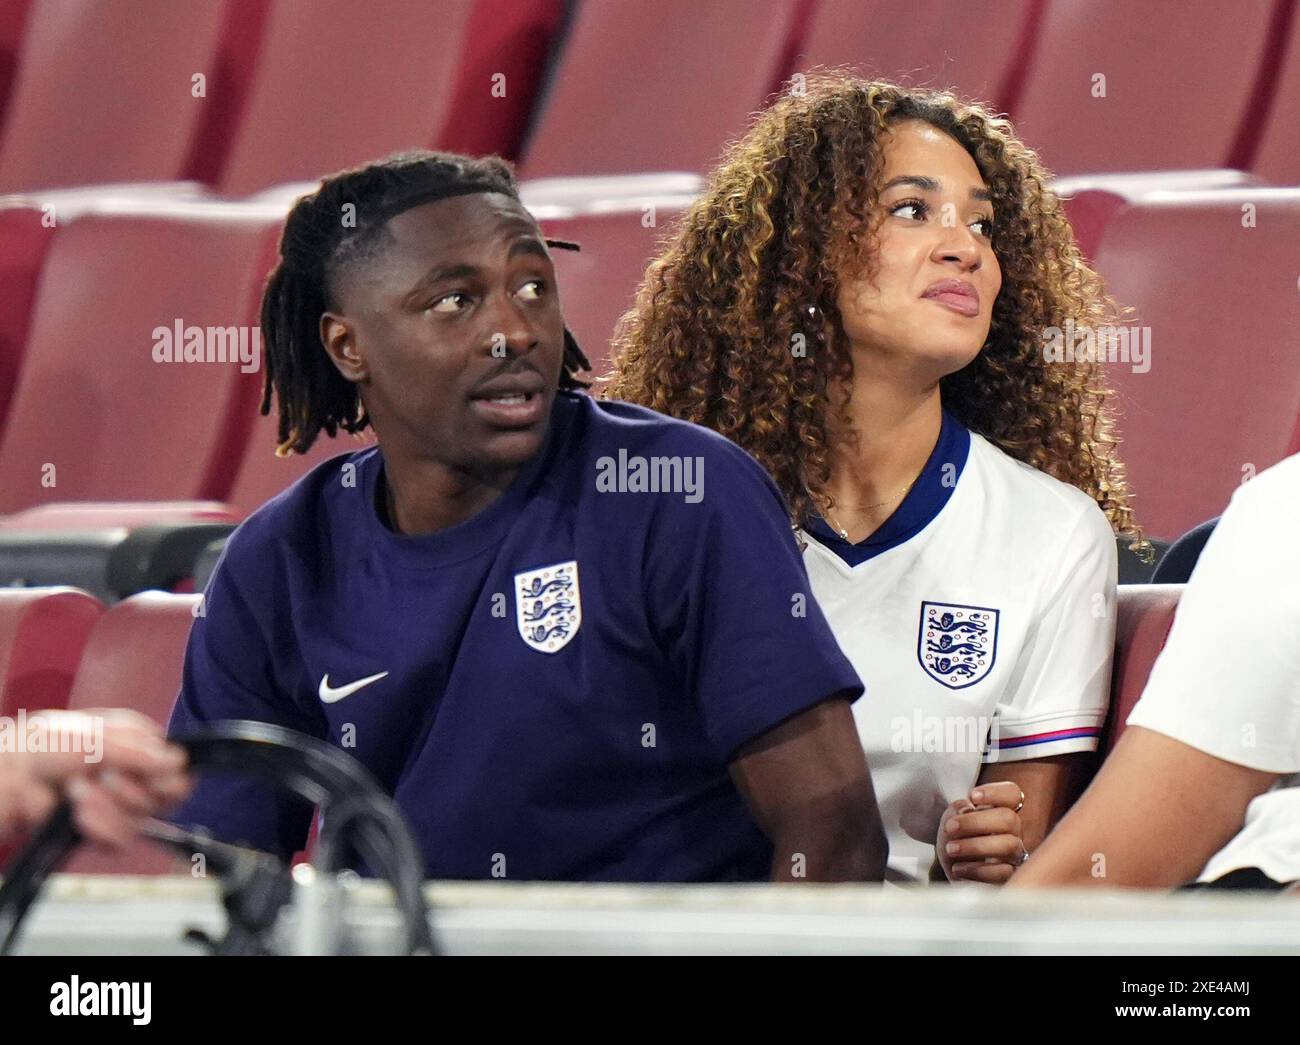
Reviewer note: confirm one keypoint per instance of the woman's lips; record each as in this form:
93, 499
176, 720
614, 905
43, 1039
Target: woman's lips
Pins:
963, 304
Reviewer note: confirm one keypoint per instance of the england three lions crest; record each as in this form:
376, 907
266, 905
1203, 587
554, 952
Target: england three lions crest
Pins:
957, 645
548, 606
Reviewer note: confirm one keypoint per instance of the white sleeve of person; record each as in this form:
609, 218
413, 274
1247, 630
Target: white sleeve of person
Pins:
1228, 680
1055, 702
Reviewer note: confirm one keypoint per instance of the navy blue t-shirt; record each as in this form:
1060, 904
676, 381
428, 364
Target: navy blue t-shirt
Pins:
551, 689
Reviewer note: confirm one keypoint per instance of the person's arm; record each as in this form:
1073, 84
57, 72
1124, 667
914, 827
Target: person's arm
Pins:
731, 606
1007, 814
807, 784
1158, 810
113, 764
1048, 721
1050, 786
231, 673
1217, 724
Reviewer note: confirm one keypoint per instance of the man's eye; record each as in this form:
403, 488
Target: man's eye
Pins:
916, 205
448, 303
533, 290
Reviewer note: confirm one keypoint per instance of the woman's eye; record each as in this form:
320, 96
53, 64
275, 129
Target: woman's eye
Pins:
986, 226
914, 205
533, 290
448, 303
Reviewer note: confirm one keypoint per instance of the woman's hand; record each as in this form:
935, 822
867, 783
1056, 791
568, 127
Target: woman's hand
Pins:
980, 836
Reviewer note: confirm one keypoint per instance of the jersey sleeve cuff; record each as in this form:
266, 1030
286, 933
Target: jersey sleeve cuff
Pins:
768, 710
1045, 737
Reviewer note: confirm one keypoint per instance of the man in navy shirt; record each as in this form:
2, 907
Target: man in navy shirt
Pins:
573, 639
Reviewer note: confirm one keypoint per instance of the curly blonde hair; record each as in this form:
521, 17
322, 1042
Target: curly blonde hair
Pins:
753, 263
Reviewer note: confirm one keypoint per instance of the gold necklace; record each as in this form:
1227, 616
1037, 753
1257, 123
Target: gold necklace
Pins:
844, 534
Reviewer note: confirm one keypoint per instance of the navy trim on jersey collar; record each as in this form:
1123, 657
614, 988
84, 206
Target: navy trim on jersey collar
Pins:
919, 508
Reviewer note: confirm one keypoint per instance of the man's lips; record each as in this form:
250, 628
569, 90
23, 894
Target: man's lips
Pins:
511, 401
955, 294
516, 411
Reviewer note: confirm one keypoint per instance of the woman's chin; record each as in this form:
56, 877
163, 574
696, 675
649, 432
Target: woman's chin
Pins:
940, 360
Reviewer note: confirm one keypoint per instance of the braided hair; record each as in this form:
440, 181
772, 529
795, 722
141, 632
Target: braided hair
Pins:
342, 224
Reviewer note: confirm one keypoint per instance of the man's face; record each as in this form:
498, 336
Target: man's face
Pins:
453, 331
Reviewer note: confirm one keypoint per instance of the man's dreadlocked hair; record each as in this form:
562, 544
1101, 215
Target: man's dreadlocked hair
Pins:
340, 224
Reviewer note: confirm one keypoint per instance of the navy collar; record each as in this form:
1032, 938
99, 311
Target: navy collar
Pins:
926, 499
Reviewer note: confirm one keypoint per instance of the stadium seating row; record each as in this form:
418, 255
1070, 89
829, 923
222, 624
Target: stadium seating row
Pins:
234, 94
98, 304
60, 647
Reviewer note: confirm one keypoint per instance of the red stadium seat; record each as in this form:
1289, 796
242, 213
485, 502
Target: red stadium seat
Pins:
262, 474
1277, 155
1146, 613
134, 660
930, 43
229, 87
13, 20
92, 401
1091, 200
1221, 398
91, 515
512, 39
339, 83
24, 240
1178, 84
28, 224
598, 284
43, 632
604, 192
660, 86
135, 654
596, 192
103, 92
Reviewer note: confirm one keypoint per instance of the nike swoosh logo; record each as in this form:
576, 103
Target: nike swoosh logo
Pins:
331, 695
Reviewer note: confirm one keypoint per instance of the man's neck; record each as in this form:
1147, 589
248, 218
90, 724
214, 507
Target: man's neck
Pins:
423, 496
894, 431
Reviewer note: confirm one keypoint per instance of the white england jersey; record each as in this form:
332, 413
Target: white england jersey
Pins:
981, 619
1228, 680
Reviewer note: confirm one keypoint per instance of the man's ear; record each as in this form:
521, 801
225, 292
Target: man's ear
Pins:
339, 339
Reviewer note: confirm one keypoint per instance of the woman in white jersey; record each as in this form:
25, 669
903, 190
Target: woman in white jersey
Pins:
880, 299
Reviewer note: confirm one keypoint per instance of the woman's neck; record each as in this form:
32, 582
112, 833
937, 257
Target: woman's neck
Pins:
875, 462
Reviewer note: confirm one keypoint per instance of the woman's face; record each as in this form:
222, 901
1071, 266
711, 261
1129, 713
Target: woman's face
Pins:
929, 303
